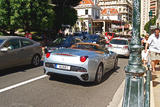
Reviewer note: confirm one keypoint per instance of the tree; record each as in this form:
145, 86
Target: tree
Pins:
64, 3
65, 13
6, 23
36, 15
149, 23
65, 16
29, 15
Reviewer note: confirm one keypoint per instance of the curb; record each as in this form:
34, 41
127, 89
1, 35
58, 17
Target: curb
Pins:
118, 96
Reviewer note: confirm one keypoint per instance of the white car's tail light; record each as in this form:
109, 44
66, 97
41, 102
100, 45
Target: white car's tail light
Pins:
83, 58
48, 55
125, 47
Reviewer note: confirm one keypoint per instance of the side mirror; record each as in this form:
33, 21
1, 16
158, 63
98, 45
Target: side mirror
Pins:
4, 49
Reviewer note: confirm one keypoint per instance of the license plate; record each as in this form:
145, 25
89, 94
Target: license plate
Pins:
63, 67
116, 47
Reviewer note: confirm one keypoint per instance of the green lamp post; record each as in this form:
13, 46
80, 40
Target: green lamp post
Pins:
134, 81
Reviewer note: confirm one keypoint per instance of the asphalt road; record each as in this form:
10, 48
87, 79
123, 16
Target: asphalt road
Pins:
29, 87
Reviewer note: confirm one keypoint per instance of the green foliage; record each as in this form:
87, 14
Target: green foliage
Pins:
66, 16
65, 13
25, 14
149, 23
66, 3
36, 15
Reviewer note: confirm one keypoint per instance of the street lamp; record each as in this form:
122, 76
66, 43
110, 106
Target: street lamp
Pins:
134, 81
150, 17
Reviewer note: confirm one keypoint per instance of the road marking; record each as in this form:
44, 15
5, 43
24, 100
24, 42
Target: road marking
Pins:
22, 83
118, 96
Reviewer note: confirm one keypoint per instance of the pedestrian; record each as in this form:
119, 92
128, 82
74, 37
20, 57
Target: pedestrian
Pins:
144, 54
154, 48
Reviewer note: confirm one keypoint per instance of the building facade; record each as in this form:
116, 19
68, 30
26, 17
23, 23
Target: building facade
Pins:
145, 8
153, 7
104, 16
110, 14
87, 11
124, 8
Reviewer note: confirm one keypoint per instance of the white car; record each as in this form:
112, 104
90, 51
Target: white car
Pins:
119, 46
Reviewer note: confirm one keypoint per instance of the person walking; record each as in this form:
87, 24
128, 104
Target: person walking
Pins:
144, 54
154, 48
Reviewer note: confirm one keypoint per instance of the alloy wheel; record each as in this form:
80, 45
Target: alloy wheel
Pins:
36, 60
99, 74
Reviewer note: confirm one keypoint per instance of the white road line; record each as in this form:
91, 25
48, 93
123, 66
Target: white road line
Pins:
22, 83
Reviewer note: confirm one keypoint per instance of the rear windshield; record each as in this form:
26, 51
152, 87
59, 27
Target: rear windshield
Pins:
120, 42
1, 41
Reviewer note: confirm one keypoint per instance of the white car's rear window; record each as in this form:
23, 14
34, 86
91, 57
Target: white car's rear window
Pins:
119, 41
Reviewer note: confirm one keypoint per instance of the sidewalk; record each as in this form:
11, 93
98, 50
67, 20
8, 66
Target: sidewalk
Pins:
156, 86
154, 92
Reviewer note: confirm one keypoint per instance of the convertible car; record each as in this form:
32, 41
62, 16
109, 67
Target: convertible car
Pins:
86, 61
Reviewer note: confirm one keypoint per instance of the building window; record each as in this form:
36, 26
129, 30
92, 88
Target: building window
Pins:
86, 12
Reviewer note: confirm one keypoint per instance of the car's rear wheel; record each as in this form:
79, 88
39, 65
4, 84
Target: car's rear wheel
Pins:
36, 60
99, 74
115, 63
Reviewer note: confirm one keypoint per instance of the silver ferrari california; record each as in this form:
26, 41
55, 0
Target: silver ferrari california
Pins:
86, 61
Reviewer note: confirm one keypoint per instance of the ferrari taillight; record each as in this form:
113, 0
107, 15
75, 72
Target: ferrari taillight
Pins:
83, 58
48, 54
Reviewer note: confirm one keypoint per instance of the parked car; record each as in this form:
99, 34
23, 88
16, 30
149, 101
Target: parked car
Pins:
119, 46
85, 61
91, 38
15, 51
80, 35
61, 42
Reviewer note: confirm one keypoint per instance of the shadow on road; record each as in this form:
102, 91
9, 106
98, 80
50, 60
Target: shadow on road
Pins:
109, 73
17, 69
76, 81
